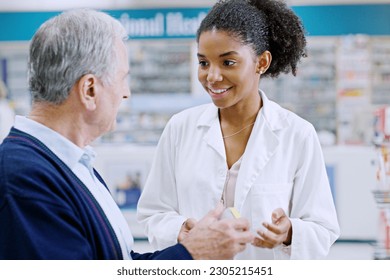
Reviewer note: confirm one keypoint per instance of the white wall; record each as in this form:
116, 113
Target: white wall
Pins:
355, 179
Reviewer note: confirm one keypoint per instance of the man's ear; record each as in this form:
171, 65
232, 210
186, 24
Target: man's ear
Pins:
86, 89
263, 62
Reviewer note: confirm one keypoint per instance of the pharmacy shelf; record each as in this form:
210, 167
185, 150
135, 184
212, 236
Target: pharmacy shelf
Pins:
337, 87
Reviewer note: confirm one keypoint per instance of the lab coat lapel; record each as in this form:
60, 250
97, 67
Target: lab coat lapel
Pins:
260, 148
213, 136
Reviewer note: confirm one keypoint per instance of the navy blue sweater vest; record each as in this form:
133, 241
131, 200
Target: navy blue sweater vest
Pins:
46, 212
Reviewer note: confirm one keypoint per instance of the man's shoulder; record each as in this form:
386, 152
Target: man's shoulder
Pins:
24, 162
18, 151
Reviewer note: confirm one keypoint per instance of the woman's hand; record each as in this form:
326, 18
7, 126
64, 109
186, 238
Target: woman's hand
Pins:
213, 238
280, 231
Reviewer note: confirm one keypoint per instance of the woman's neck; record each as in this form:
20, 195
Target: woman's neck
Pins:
240, 114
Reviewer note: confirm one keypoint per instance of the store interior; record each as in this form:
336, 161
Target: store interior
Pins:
342, 88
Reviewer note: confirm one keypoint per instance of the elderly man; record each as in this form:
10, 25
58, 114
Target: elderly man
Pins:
53, 203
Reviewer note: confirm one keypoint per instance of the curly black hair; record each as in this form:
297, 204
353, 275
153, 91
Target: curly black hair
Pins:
264, 25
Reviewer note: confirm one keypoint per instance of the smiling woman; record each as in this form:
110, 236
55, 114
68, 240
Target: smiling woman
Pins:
226, 68
230, 72
243, 149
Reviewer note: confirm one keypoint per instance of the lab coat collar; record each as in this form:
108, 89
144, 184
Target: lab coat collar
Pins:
260, 148
209, 116
274, 115
213, 137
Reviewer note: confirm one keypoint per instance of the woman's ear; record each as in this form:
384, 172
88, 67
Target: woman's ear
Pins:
86, 89
263, 62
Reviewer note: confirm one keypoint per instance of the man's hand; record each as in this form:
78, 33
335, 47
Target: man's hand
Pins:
211, 238
280, 231
185, 229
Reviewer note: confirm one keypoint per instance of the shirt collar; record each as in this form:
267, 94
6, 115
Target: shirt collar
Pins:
65, 149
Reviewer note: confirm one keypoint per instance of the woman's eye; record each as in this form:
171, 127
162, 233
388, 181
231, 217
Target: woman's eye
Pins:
202, 63
229, 62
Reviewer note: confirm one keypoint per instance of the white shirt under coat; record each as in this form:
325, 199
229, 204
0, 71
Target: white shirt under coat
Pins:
282, 166
7, 118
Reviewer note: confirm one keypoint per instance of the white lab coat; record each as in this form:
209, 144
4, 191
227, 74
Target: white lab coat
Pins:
282, 166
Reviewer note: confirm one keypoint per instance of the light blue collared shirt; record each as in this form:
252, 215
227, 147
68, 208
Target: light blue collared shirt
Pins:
80, 161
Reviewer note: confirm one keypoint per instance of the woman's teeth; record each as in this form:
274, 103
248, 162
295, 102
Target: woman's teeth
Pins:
218, 91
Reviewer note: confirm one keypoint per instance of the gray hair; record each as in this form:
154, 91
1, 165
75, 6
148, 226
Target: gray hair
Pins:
69, 46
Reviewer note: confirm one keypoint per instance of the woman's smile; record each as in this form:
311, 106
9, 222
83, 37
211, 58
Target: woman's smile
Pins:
218, 93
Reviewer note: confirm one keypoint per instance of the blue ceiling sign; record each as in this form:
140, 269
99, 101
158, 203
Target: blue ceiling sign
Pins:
172, 23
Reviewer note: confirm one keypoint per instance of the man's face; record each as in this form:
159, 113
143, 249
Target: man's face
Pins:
118, 89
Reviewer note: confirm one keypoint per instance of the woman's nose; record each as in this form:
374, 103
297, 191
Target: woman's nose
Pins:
214, 75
